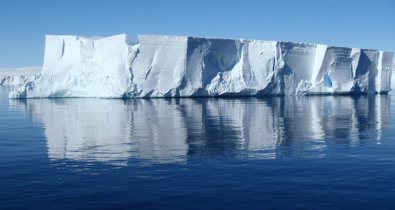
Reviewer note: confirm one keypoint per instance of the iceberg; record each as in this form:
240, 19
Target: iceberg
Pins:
393, 75
184, 66
16, 77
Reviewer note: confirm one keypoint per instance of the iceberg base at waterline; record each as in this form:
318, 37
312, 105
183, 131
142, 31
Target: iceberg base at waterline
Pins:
182, 66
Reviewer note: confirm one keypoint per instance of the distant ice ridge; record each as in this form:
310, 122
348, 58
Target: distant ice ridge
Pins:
15, 77
181, 66
393, 75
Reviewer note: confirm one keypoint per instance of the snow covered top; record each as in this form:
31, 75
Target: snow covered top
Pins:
83, 37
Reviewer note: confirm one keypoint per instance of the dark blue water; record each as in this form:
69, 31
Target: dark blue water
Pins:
272, 153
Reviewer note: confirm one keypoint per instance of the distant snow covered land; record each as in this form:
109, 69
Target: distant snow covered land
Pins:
182, 66
15, 77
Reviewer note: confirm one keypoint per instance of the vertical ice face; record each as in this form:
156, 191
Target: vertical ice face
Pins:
317, 74
14, 81
16, 77
261, 59
218, 63
392, 74
82, 67
384, 68
181, 66
159, 66
297, 67
340, 68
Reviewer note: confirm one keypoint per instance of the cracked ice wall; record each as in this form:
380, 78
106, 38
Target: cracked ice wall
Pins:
181, 66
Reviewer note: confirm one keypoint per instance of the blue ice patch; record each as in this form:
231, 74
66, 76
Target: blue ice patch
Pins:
327, 80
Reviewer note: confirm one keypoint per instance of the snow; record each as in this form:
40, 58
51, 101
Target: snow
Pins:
15, 77
182, 66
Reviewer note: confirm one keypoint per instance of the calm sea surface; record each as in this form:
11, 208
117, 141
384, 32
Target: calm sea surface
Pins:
271, 153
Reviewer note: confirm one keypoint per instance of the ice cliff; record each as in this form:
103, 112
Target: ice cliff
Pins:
13, 81
16, 77
181, 66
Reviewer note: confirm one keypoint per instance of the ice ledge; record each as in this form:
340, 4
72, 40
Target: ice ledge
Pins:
184, 66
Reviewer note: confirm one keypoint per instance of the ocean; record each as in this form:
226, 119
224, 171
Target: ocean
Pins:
291, 152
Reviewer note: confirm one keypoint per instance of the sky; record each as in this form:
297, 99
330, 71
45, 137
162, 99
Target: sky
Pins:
350, 23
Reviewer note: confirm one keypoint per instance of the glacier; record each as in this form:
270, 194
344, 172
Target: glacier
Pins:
184, 66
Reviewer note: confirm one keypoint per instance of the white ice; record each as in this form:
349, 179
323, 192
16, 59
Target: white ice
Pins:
181, 66
15, 77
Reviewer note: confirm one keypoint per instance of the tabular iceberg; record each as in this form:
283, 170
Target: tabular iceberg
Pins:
182, 66
16, 77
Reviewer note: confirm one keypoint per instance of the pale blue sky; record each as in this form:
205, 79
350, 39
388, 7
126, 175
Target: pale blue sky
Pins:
358, 23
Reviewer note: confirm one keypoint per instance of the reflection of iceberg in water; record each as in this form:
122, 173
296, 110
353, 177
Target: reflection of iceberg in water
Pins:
157, 130
110, 130
79, 129
218, 125
167, 131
